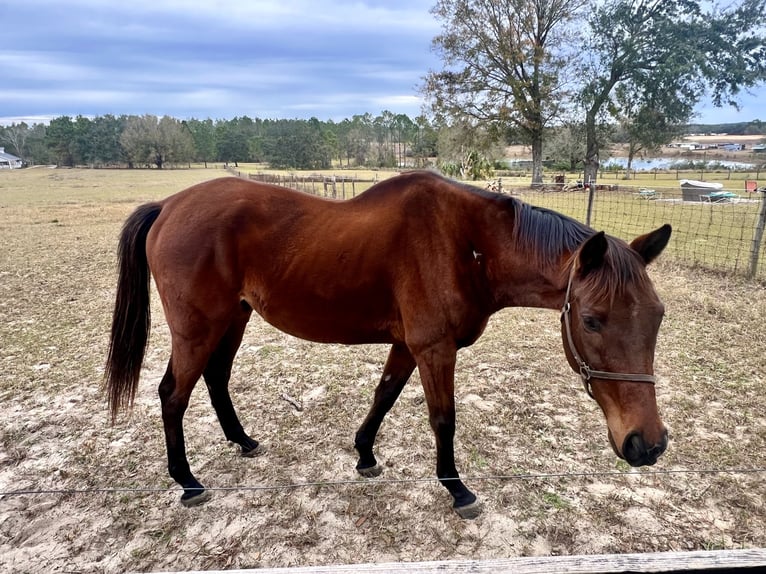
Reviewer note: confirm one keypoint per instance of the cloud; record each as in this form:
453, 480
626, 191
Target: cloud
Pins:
214, 59
219, 58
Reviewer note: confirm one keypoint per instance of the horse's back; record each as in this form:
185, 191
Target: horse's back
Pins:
325, 270
312, 267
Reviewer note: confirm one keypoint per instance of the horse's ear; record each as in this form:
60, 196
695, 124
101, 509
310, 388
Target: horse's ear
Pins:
592, 253
649, 246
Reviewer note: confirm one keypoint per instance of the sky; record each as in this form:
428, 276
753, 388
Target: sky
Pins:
218, 59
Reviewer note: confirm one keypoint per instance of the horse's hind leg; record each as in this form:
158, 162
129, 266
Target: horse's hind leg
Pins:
217, 374
175, 390
396, 373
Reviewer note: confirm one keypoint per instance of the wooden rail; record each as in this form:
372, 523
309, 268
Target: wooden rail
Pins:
702, 562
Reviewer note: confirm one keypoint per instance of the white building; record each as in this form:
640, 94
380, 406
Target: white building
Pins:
9, 161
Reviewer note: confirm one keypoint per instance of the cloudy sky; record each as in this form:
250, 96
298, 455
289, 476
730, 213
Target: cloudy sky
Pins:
218, 59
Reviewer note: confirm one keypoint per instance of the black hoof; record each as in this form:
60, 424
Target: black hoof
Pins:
257, 450
370, 471
195, 497
469, 511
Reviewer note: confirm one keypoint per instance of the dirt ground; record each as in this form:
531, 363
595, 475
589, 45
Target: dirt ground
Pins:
529, 441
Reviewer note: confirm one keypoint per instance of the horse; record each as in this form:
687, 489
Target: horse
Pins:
418, 262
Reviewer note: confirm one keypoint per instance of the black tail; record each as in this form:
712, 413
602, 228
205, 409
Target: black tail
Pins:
131, 321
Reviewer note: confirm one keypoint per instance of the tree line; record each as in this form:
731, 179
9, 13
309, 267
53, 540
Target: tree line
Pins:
386, 140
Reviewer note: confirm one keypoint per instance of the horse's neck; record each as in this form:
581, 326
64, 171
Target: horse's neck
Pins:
518, 276
518, 279
523, 285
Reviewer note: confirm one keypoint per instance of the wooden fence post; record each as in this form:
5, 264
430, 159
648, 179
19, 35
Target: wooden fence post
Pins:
760, 225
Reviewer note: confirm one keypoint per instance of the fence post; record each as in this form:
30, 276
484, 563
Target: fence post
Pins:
591, 196
760, 224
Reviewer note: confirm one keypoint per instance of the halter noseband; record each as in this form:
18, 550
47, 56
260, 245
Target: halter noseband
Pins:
586, 372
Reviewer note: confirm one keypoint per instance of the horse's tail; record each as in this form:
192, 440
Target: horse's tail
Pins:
131, 320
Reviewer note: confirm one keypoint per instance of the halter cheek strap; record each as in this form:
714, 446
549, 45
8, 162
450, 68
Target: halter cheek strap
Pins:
586, 372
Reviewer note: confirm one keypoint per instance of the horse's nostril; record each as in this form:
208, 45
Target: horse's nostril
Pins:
655, 452
638, 453
634, 449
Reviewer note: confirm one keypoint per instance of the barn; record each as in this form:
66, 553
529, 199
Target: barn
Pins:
9, 161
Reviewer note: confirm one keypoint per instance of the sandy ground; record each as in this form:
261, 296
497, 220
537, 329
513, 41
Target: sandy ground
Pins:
529, 441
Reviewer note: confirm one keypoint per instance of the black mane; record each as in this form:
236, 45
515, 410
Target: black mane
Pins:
546, 235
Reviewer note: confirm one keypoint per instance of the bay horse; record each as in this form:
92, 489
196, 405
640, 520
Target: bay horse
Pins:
418, 262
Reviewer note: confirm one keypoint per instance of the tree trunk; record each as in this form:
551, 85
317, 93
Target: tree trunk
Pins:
537, 160
631, 154
591, 148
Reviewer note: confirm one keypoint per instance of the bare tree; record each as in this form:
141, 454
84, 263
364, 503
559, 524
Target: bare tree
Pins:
16, 136
149, 140
504, 65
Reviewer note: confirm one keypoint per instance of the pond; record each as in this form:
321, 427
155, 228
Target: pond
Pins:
650, 164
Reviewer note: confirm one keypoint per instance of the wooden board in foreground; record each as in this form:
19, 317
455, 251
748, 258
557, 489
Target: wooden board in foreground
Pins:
752, 560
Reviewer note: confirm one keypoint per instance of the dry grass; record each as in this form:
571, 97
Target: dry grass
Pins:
521, 411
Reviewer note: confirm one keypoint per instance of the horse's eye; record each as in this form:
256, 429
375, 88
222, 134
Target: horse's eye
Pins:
591, 323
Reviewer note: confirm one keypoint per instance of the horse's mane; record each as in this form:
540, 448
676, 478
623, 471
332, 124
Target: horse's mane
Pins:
546, 235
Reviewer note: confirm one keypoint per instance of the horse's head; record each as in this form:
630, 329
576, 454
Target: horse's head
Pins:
610, 321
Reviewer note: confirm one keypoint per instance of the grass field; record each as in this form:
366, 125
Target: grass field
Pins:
522, 414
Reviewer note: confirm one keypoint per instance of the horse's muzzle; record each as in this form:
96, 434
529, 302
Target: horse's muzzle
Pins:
636, 452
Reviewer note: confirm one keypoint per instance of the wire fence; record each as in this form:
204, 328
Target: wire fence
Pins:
331, 186
378, 482
721, 230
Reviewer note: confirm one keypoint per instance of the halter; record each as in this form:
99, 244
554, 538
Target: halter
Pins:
586, 372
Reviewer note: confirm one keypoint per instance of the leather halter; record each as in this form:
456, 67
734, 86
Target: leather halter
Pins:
586, 372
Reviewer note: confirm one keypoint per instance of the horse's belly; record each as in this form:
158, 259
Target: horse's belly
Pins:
328, 321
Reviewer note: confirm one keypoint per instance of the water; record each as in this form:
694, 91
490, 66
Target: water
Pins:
650, 164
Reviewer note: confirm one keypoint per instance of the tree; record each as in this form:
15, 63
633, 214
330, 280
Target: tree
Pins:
669, 47
59, 137
136, 139
649, 120
37, 146
105, 139
425, 142
232, 141
565, 145
148, 140
203, 134
504, 63
383, 125
16, 136
465, 152
360, 137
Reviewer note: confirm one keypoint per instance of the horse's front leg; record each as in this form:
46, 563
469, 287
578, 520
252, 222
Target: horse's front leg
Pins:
437, 373
396, 373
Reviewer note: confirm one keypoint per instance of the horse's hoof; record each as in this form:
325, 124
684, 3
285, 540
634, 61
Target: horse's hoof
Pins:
257, 451
469, 511
370, 471
197, 499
